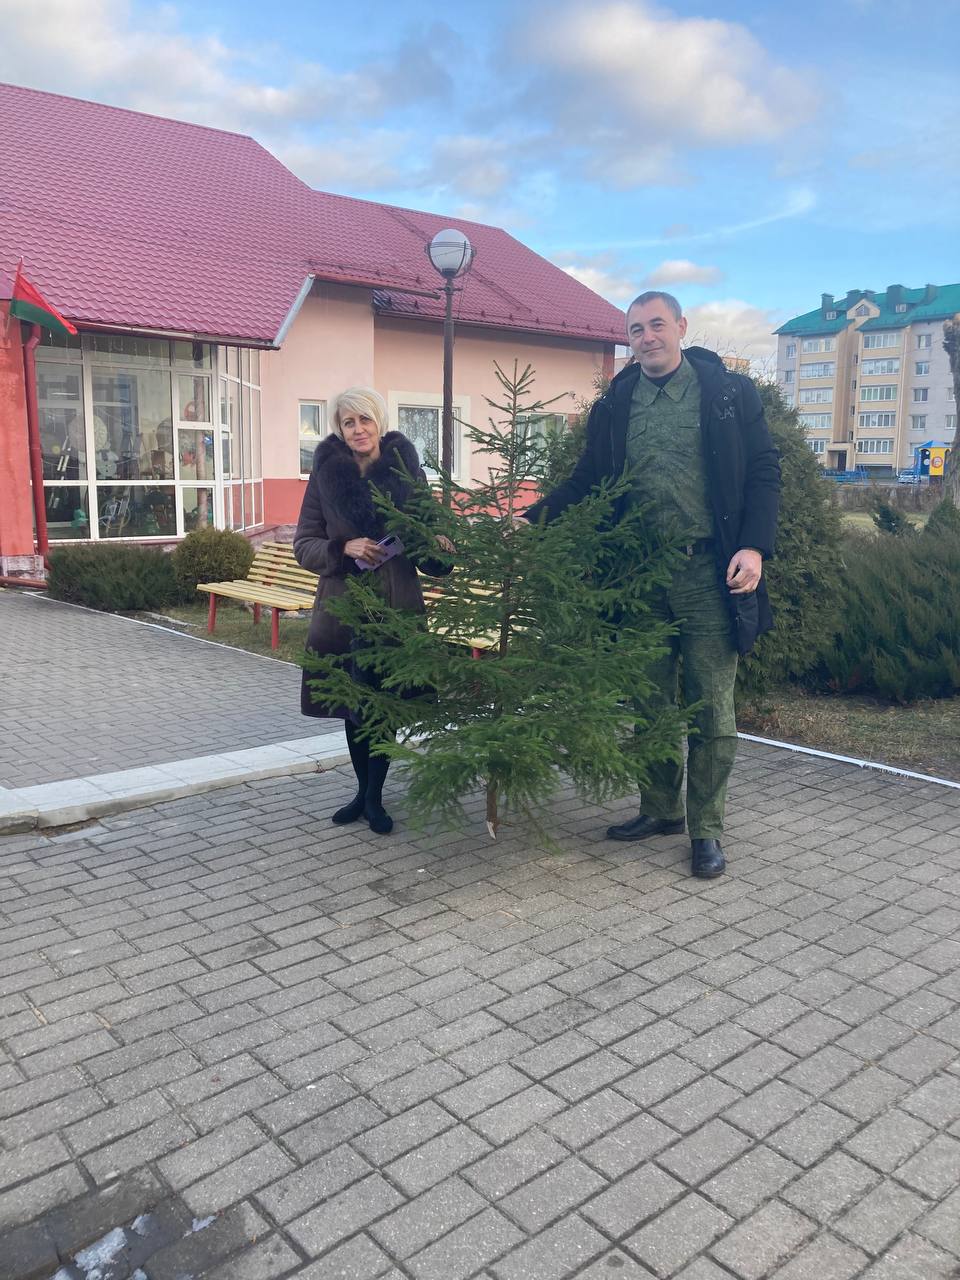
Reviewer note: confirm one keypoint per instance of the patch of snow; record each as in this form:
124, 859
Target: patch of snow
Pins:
201, 1224
142, 1224
97, 1257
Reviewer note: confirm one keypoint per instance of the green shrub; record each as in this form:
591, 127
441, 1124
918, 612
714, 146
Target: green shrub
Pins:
889, 520
944, 521
211, 555
803, 577
112, 577
900, 632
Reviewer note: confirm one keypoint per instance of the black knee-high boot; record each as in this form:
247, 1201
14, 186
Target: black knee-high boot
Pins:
373, 810
359, 749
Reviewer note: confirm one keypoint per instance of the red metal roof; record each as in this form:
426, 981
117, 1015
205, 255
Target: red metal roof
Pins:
147, 223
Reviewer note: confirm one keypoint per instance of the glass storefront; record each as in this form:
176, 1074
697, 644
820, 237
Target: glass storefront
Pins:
131, 445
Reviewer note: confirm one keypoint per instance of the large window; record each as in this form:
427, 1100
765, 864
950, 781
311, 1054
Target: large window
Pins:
924, 341
918, 422
874, 446
818, 446
818, 344
824, 369
313, 427
921, 368
791, 351
789, 375
921, 395
950, 422
872, 341
878, 420
871, 368
816, 421
128, 437
240, 437
886, 392
817, 395
421, 423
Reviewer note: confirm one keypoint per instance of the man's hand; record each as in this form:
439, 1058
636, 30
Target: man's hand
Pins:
744, 571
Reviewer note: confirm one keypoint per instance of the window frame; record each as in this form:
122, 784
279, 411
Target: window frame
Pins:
322, 434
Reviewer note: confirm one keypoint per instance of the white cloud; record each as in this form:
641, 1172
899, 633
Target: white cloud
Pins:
682, 271
102, 49
732, 327
630, 84
615, 287
360, 162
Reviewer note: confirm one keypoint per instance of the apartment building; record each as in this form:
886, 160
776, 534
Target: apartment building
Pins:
869, 375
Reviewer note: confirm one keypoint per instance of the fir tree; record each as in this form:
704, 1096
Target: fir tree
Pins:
561, 613
889, 520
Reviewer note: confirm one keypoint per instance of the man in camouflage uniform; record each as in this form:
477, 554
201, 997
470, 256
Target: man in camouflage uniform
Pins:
693, 437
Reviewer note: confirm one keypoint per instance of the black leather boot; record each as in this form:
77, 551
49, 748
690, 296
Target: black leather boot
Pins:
359, 749
640, 828
707, 860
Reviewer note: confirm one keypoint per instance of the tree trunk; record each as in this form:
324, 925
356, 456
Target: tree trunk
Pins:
951, 474
493, 817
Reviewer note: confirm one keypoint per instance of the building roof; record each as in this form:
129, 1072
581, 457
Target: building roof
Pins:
131, 220
932, 302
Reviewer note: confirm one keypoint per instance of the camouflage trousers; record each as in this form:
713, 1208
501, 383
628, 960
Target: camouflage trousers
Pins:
703, 651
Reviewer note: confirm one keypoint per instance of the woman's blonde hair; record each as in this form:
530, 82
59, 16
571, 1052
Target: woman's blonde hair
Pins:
363, 400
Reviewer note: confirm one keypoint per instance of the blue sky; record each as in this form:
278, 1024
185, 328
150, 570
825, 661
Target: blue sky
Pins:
746, 156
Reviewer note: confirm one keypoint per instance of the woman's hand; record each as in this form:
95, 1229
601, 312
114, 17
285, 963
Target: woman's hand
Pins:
444, 543
364, 549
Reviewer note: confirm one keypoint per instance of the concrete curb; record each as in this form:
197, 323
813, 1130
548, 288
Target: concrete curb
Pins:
59, 804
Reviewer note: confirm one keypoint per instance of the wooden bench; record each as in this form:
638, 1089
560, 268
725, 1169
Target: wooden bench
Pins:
278, 583
275, 582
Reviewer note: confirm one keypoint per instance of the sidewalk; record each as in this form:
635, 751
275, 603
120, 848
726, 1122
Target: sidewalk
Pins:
239, 1043
102, 714
88, 693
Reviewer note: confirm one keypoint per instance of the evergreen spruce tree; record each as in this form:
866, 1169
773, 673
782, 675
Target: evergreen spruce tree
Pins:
889, 519
561, 614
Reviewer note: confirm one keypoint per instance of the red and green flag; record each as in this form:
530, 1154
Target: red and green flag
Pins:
28, 303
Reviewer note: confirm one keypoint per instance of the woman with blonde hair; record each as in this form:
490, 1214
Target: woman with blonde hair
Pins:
339, 526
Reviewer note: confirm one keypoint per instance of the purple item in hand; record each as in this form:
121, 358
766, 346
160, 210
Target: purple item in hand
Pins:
392, 546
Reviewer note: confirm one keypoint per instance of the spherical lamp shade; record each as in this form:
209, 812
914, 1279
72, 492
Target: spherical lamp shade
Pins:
450, 252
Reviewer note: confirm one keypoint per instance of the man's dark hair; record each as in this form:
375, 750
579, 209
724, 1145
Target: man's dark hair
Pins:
651, 296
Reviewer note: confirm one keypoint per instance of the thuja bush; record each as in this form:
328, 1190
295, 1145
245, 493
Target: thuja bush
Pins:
115, 578
211, 555
803, 578
899, 637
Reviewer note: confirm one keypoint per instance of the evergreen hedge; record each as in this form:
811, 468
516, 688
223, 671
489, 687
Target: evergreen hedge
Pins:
803, 578
115, 578
211, 555
900, 635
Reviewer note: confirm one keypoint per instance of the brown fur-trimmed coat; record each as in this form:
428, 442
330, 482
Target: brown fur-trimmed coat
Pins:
337, 507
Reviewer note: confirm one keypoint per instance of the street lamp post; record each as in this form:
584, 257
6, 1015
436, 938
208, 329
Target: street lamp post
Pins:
450, 253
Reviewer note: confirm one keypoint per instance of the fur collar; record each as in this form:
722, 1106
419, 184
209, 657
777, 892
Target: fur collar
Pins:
346, 491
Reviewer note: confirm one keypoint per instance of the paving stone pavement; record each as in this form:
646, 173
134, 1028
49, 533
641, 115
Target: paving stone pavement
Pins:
87, 693
310, 1051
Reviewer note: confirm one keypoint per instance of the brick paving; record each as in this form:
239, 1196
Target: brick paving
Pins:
88, 693
309, 1051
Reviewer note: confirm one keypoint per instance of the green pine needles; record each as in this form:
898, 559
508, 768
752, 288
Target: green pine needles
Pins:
560, 614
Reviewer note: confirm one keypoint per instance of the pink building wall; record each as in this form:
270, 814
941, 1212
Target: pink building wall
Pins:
337, 341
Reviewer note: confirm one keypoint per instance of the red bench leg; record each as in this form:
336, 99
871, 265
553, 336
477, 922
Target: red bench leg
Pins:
275, 629
256, 613
212, 614
476, 653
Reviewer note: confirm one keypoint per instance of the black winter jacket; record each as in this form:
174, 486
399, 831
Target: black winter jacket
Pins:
741, 464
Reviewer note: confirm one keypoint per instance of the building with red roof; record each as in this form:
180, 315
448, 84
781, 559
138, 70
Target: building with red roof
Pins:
221, 303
